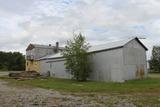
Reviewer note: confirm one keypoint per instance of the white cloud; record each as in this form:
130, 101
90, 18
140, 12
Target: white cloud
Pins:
47, 21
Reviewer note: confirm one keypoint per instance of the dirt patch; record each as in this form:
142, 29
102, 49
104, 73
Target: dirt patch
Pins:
11, 96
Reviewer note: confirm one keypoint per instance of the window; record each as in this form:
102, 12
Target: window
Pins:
27, 63
50, 65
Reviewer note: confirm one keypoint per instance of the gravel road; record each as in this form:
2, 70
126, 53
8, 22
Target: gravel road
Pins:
13, 96
3, 73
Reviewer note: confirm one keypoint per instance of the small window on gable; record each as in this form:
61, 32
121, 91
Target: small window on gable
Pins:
50, 65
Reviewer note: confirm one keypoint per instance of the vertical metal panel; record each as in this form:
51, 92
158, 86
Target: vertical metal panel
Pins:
104, 63
135, 61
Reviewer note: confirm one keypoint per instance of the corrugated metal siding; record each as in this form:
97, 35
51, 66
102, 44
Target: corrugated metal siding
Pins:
134, 60
55, 68
107, 65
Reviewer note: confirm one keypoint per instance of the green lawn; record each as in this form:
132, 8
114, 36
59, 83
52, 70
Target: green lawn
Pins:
151, 84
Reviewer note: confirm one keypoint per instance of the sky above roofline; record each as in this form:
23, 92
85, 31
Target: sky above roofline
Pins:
46, 21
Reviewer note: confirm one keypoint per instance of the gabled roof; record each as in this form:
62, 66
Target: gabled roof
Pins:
141, 44
114, 45
103, 47
31, 46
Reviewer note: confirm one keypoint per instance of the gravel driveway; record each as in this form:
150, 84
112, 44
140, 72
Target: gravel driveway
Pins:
13, 96
3, 73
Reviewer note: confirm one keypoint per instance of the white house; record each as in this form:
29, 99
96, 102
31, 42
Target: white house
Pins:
116, 61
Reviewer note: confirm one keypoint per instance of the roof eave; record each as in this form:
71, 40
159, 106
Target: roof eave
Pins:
141, 44
51, 58
106, 49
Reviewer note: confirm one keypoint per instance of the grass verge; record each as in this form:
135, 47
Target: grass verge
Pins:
150, 84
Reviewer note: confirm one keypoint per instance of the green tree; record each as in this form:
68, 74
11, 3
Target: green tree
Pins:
12, 61
154, 65
76, 57
155, 60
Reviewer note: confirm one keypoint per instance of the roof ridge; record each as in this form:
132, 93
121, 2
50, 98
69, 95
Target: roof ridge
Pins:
128, 39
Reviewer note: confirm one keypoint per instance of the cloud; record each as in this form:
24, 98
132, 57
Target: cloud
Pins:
47, 21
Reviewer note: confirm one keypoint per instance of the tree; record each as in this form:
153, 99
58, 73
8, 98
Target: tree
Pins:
76, 57
154, 65
155, 60
12, 61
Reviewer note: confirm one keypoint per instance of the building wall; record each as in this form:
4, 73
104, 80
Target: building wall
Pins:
135, 62
54, 68
40, 52
107, 65
36, 53
44, 67
32, 66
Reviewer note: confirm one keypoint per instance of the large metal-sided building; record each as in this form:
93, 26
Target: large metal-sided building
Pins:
116, 61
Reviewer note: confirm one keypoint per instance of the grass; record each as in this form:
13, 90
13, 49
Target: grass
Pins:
142, 93
3, 70
150, 84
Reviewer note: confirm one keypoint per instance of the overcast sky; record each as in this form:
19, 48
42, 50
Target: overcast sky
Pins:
46, 21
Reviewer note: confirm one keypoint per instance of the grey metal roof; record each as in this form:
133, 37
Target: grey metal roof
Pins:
31, 46
109, 45
45, 46
42, 46
103, 47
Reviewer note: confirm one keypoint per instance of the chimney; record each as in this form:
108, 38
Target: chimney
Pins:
57, 47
